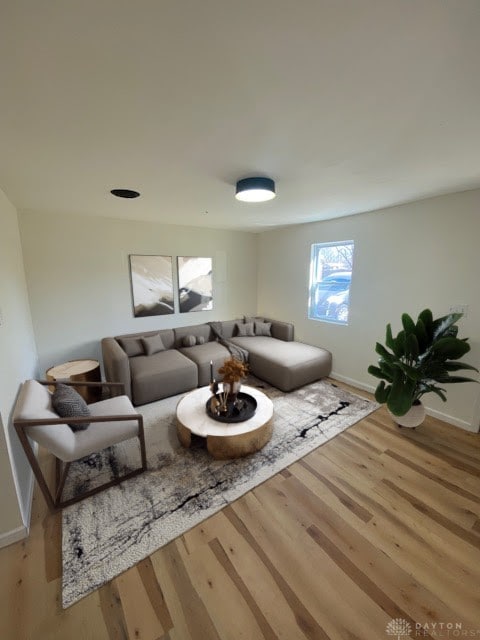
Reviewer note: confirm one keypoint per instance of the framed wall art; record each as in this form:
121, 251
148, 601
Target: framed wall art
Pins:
151, 278
195, 289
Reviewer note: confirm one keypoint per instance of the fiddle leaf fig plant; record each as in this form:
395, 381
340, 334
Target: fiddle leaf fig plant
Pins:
419, 360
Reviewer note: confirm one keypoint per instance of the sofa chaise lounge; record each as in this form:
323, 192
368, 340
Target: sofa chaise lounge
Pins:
157, 364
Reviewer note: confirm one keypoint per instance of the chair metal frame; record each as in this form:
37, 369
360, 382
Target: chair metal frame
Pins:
55, 501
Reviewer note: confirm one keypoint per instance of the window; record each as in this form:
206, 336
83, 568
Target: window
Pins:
331, 266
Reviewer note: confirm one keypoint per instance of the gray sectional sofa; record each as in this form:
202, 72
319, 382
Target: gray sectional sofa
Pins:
157, 364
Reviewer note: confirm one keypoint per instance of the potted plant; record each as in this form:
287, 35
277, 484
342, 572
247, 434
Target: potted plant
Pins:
417, 361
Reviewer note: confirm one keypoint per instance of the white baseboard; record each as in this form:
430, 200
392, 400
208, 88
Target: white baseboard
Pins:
13, 536
27, 513
354, 383
10, 537
451, 420
431, 412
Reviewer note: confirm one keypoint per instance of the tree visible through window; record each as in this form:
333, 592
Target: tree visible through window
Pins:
331, 267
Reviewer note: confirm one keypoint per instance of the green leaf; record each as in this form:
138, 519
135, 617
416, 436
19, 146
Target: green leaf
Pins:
399, 348
422, 336
442, 325
387, 369
410, 372
450, 348
456, 366
439, 392
382, 392
453, 379
389, 341
400, 398
375, 371
408, 324
412, 348
427, 318
380, 349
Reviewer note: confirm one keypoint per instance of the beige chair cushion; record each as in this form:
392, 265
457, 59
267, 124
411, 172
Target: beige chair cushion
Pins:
34, 403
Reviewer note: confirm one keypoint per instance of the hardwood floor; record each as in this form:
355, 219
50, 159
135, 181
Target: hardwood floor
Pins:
379, 523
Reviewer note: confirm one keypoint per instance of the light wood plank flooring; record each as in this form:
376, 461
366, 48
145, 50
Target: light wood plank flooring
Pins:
379, 523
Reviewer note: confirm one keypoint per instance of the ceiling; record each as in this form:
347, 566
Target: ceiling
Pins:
349, 105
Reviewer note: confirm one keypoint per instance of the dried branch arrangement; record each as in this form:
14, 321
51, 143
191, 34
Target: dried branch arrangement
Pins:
233, 370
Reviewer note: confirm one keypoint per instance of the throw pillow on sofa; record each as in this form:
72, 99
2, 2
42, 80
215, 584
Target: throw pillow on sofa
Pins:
153, 344
246, 329
68, 403
263, 328
189, 341
200, 340
132, 346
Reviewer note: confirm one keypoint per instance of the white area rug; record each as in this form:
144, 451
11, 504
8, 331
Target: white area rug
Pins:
110, 532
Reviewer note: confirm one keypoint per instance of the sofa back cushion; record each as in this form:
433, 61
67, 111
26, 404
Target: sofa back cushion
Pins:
196, 330
229, 328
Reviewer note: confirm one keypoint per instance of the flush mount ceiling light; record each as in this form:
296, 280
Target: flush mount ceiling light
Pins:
255, 190
124, 193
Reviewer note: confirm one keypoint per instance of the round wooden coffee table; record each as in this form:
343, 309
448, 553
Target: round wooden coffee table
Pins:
224, 441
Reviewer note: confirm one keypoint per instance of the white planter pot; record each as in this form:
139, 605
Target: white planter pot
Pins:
413, 418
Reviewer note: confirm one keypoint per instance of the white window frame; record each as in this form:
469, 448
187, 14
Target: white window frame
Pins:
332, 305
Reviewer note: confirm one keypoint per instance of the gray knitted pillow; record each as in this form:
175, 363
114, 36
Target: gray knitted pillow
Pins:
70, 404
153, 344
132, 346
189, 341
263, 328
200, 340
245, 329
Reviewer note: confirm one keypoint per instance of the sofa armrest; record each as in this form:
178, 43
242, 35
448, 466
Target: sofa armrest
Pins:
116, 365
281, 330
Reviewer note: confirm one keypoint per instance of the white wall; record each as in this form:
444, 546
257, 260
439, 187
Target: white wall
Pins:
17, 363
407, 258
79, 284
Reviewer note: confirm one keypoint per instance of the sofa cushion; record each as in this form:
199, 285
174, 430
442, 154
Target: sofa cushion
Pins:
263, 328
286, 365
161, 375
245, 329
68, 403
202, 354
152, 344
200, 340
189, 341
132, 346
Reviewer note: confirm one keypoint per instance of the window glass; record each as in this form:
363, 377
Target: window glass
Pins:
331, 267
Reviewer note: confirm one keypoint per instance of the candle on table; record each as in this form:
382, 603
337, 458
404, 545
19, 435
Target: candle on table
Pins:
211, 370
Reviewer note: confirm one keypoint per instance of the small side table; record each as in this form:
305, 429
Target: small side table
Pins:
78, 371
